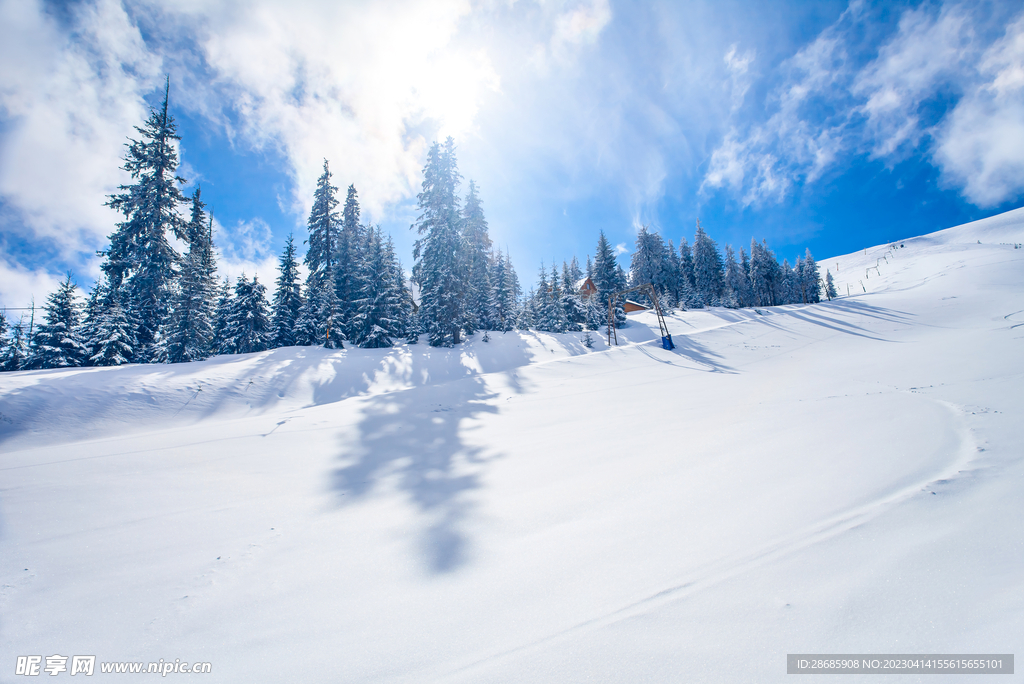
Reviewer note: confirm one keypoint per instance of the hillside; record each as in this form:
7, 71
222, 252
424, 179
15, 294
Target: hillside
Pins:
844, 477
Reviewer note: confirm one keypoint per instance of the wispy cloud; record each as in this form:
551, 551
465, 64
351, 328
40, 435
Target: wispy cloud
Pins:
831, 108
980, 146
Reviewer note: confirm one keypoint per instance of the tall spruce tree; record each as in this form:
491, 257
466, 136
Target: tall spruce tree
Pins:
439, 251
506, 293
790, 284
248, 328
15, 352
351, 238
5, 330
811, 281
287, 298
221, 317
735, 281
609, 278
708, 276
572, 305
190, 331
649, 264
321, 319
830, 286
112, 341
765, 274
140, 259
480, 309
56, 343
323, 224
381, 313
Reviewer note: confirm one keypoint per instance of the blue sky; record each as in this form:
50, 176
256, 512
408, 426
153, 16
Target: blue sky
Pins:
828, 125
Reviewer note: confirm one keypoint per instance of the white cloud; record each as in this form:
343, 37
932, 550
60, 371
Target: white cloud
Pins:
877, 108
740, 77
621, 248
245, 248
359, 84
580, 25
752, 164
926, 52
67, 106
980, 147
19, 285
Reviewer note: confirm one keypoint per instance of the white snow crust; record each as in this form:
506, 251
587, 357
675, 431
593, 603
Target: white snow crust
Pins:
845, 477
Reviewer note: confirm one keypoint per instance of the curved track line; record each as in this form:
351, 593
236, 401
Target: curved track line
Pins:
726, 569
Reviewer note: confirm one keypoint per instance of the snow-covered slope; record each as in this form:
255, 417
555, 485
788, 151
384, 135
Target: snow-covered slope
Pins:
844, 477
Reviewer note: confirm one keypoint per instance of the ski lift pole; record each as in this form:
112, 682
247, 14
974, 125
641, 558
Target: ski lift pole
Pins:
611, 320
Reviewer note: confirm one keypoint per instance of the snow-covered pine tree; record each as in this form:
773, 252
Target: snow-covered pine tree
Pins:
112, 341
379, 305
550, 315
5, 330
673, 270
609, 279
140, 260
748, 294
764, 274
323, 224
649, 264
830, 286
351, 238
481, 305
56, 343
708, 277
790, 284
15, 352
686, 263
402, 312
506, 293
575, 273
321, 320
248, 328
221, 318
93, 308
735, 281
527, 319
811, 278
287, 298
542, 302
189, 333
572, 305
440, 266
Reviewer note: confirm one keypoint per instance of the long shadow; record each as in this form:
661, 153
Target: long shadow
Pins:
858, 307
414, 438
833, 324
689, 348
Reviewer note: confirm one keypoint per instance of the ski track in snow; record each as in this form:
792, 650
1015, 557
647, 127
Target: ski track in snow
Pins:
705, 578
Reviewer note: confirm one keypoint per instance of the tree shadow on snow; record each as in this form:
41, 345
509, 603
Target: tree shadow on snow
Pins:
414, 438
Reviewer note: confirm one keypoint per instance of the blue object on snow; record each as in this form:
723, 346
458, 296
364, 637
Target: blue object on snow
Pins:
666, 342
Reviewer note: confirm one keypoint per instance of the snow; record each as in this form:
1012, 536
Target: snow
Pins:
843, 477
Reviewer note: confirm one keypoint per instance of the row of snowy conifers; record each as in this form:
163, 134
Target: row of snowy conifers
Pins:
683, 279
153, 304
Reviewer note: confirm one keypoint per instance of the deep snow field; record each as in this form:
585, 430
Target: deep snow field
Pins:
846, 477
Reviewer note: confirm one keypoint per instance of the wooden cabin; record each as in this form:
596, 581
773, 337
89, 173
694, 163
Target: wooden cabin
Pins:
629, 306
586, 288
